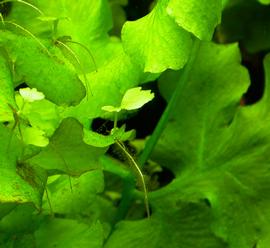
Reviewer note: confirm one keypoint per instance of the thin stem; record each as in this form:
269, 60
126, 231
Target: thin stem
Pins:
152, 141
115, 121
87, 50
25, 3
140, 176
30, 34
80, 65
49, 201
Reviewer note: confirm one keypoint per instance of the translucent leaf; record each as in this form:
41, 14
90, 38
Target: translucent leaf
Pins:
31, 95
197, 17
142, 41
135, 98
111, 109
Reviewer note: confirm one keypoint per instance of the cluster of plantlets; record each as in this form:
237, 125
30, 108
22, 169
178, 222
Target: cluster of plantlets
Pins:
64, 65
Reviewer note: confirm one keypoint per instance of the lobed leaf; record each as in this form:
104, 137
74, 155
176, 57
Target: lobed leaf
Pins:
67, 153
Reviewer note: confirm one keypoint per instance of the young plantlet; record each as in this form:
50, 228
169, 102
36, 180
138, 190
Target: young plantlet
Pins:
133, 99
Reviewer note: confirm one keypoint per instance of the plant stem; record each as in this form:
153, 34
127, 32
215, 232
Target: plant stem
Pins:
115, 120
152, 141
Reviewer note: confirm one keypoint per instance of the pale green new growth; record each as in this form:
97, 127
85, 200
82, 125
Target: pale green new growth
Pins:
31, 95
133, 99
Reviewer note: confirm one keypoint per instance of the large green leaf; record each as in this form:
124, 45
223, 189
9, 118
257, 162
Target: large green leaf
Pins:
6, 91
75, 197
67, 152
46, 72
58, 233
87, 22
108, 86
184, 225
19, 182
197, 17
156, 42
219, 150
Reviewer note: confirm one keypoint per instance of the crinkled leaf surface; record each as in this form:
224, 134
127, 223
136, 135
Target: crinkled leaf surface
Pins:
67, 152
220, 150
108, 86
185, 225
197, 17
19, 182
156, 42
6, 91
86, 23
48, 73
76, 198
58, 233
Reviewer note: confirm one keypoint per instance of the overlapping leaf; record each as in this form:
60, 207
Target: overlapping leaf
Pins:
75, 198
219, 150
6, 91
156, 42
67, 152
20, 182
41, 70
185, 225
69, 233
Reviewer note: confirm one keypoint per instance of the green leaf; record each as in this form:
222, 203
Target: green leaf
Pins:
264, 2
108, 86
19, 182
31, 95
197, 17
247, 22
48, 73
135, 98
58, 233
75, 197
99, 140
203, 115
142, 41
42, 115
6, 91
34, 136
86, 23
111, 109
67, 153
185, 226
219, 150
